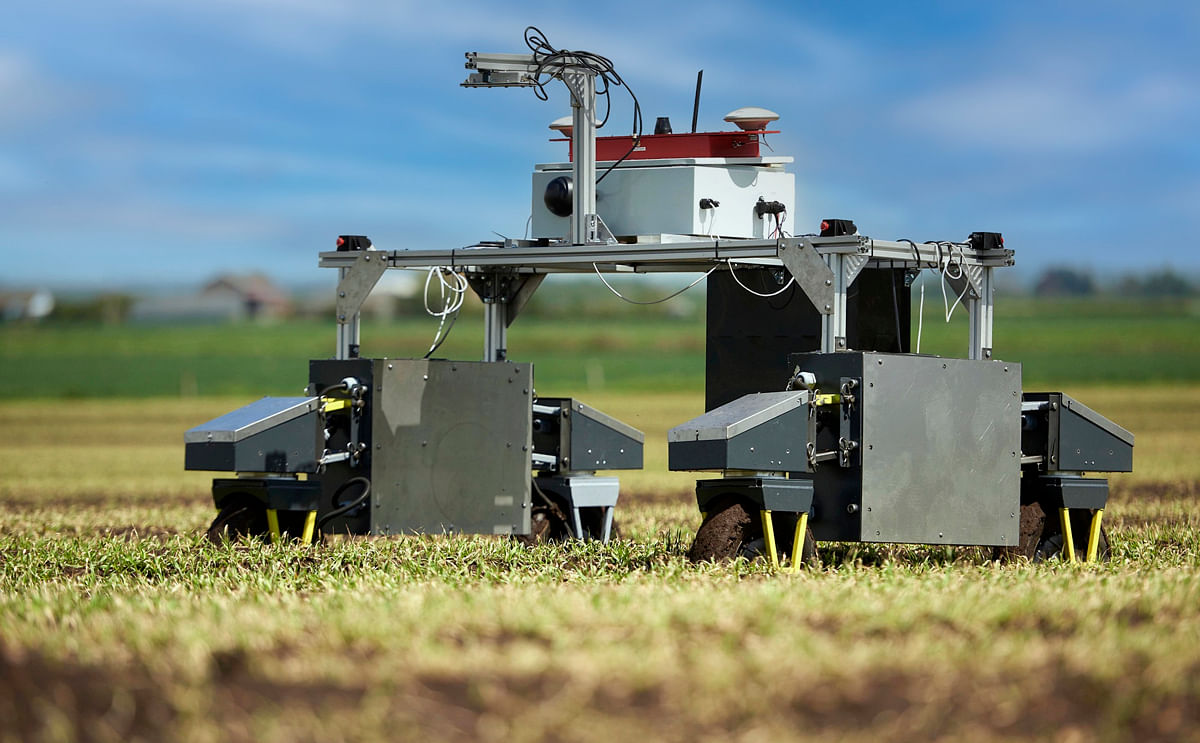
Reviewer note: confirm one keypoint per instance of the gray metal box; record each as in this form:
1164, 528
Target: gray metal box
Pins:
1074, 438
938, 460
584, 439
761, 432
452, 442
274, 434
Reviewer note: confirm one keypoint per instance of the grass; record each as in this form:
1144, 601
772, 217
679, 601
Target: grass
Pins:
118, 622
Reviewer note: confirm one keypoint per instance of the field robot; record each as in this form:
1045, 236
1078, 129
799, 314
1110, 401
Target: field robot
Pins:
821, 423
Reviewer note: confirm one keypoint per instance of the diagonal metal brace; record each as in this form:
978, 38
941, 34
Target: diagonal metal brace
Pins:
808, 268
507, 288
357, 282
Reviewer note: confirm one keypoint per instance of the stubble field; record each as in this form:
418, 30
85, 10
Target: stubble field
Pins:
119, 622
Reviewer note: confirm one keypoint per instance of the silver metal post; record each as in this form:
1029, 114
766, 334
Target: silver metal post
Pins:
347, 332
980, 314
495, 331
583, 143
833, 325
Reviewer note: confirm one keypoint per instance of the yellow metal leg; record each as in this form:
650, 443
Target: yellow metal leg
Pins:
1068, 538
310, 521
1094, 535
798, 542
769, 536
273, 524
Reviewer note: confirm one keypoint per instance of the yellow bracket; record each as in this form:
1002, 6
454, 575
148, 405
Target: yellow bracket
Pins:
797, 541
821, 400
273, 524
333, 404
1093, 547
1094, 535
310, 521
769, 536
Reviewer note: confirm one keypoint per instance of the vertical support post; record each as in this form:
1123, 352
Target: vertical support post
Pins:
798, 541
347, 332
495, 330
583, 143
769, 539
980, 314
310, 523
273, 525
608, 522
1094, 535
833, 325
1068, 539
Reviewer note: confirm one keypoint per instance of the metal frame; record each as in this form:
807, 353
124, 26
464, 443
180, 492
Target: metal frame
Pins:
824, 268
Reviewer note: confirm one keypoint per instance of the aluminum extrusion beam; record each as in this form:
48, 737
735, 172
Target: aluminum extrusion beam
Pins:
700, 253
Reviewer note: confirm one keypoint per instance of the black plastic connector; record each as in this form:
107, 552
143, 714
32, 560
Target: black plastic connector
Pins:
346, 243
986, 240
769, 207
837, 227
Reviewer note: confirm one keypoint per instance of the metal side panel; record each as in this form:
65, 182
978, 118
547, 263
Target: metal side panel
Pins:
598, 442
739, 416
251, 419
1089, 442
940, 450
452, 447
290, 446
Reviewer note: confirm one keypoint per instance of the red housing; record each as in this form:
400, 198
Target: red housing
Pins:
665, 146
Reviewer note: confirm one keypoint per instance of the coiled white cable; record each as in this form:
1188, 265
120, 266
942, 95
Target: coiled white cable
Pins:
452, 293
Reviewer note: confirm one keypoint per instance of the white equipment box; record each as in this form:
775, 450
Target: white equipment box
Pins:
645, 198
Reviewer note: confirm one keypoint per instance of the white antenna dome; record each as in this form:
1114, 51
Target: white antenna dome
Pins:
751, 118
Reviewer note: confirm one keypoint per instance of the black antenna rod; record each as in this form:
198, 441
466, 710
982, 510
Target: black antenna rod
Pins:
696, 105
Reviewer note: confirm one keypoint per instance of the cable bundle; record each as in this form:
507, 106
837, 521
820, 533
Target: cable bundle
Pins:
553, 62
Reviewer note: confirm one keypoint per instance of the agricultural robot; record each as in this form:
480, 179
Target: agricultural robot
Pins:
822, 424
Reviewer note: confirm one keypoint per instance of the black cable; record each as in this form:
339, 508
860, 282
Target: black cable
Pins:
445, 335
896, 311
349, 506
551, 61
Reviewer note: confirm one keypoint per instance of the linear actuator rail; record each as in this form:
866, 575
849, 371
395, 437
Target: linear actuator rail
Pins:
679, 256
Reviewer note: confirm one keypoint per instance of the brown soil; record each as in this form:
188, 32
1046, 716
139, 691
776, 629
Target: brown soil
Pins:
43, 699
1033, 520
38, 695
1170, 490
721, 535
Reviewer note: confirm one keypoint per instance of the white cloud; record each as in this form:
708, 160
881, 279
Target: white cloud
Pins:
1049, 110
29, 95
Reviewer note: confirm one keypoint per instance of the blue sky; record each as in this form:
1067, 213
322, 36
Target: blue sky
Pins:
146, 142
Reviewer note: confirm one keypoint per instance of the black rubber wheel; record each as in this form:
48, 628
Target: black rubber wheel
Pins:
1051, 544
547, 523
733, 528
239, 519
550, 520
1041, 536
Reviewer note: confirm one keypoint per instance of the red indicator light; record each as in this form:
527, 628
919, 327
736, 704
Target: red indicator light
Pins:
824, 226
341, 242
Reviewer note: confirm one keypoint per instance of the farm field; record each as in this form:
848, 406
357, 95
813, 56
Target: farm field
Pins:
1057, 342
118, 622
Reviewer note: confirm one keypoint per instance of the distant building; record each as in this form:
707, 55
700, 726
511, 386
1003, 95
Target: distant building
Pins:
31, 304
228, 298
257, 295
